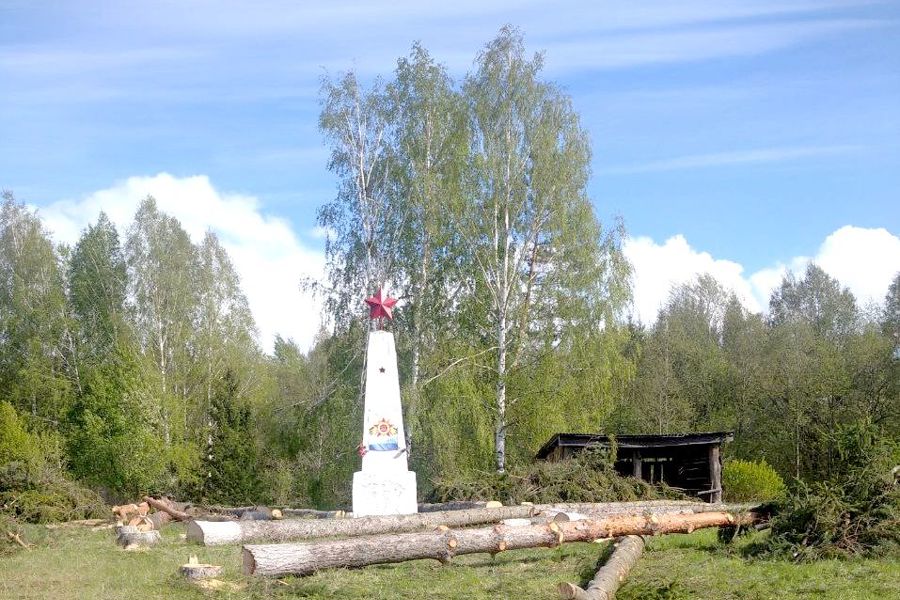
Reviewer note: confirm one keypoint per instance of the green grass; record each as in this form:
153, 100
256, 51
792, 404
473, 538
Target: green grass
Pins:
68, 564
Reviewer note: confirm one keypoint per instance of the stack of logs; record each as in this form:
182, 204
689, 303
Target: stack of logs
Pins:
137, 527
441, 535
273, 547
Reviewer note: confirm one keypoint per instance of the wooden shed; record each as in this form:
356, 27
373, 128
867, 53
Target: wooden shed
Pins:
690, 462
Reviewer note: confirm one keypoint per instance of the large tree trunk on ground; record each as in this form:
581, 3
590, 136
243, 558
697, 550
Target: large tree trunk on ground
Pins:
213, 534
611, 575
246, 513
456, 505
591, 508
309, 513
443, 544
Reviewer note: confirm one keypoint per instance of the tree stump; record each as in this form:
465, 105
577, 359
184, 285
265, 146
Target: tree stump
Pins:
130, 537
195, 570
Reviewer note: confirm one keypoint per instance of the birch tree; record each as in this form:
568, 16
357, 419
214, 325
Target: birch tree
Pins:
97, 288
528, 232
362, 223
34, 320
162, 267
429, 147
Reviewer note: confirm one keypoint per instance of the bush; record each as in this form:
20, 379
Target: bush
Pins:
749, 481
33, 486
588, 477
110, 443
855, 511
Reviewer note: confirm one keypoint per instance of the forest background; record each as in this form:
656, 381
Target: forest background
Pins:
130, 361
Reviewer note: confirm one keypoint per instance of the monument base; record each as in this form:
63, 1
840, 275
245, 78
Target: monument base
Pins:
384, 493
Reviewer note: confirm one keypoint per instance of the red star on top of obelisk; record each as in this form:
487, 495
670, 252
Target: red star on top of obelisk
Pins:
381, 306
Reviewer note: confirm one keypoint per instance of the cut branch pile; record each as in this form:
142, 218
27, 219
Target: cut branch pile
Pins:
444, 543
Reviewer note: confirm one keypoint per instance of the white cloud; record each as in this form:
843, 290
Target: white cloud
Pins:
265, 250
659, 267
864, 260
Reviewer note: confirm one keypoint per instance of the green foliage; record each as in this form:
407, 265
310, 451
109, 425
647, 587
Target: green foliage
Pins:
231, 463
751, 481
34, 353
33, 486
111, 444
855, 510
588, 477
16, 444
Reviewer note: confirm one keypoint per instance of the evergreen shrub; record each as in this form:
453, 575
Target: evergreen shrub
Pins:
854, 511
751, 481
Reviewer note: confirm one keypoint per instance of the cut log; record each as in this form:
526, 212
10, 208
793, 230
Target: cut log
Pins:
457, 505
159, 519
129, 537
309, 513
443, 544
141, 523
214, 534
195, 570
611, 575
248, 513
167, 507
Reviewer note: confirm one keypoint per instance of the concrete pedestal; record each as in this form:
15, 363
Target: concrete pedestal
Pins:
386, 493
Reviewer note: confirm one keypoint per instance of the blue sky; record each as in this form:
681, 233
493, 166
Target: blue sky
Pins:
750, 131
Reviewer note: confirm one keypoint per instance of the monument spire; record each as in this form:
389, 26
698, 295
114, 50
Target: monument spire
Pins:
384, 485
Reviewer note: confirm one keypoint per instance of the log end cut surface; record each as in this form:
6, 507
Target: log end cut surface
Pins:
195, 571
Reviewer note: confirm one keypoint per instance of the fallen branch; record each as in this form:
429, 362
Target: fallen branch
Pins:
167, 507
214, 534
443, 544
17, 539
611, 575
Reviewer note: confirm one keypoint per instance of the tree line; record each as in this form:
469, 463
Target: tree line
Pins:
468, 200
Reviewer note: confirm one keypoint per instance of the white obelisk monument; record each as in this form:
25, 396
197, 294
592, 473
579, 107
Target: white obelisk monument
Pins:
385, 485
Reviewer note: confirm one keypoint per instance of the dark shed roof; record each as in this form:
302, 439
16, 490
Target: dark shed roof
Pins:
582, 440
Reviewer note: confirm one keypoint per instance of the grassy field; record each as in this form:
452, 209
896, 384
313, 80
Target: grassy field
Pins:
67, 564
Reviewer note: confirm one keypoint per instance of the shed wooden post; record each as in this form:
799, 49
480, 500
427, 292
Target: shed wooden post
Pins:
715, 474
636, 464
